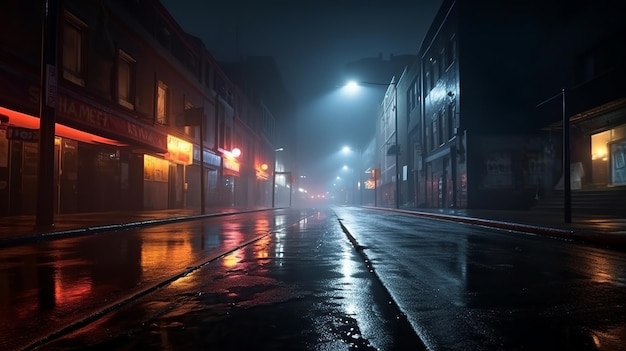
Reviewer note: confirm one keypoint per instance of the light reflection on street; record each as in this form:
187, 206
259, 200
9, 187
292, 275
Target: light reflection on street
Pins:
261, 247
600, 269
166, 254
48, 284
69, 290
279, 221
230, 260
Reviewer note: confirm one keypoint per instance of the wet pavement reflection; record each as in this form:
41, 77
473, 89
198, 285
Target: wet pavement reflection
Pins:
47, 286
466, 287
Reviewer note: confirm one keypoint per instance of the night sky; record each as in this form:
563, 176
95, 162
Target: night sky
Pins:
312, 41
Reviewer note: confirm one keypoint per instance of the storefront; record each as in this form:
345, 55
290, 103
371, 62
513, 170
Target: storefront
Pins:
180, 155
230, 176
212, 164
98, 156
608, 157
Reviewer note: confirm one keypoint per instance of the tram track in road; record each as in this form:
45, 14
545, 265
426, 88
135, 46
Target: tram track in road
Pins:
127, 300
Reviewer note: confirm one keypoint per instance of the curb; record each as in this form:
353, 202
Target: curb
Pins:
615, 240
71, 232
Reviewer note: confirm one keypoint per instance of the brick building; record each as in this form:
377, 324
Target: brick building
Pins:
139, 104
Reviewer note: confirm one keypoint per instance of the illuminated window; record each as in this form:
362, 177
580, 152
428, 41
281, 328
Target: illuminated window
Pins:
162, 103
125, 80
73, 46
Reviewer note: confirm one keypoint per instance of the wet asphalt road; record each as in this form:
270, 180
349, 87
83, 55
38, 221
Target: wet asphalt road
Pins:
466, 287
289, 282
325, 279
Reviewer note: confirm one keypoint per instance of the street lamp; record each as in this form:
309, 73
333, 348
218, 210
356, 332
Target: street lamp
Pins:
47, 116
353, 85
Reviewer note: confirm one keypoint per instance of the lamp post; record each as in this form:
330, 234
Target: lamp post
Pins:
47, 115
397, 146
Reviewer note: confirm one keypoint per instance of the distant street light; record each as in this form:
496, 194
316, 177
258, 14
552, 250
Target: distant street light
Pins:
352, 86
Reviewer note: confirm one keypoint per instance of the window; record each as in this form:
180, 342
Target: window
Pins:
207, 76
188, 129
73, 46
126, 80
450, 120
441, 66
433, 141
440, 128
429, 141
162, 103
451, 56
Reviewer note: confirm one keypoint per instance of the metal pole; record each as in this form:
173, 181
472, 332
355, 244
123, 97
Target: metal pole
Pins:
360, 170
274, 187
202, 185
567, 186
376, 187
395, 102
47, 116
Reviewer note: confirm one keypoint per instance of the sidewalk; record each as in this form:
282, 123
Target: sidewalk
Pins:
607, 229
597, 229
20, 229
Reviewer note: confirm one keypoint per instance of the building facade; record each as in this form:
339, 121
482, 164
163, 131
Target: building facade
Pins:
477, 133
145, 118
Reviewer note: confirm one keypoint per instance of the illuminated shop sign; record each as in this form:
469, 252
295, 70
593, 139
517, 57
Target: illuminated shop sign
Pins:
179, 151
231, 163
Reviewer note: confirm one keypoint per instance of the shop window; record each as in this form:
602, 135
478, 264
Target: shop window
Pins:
162, 103
126, 80
72, 57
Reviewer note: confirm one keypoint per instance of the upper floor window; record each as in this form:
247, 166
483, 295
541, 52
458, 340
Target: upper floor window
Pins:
126, 80
450, 120
436, 73
427, 81
434, 133
413, 96
440, 128
162, 103
73, 49
441, 62
189, 130
451, 52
